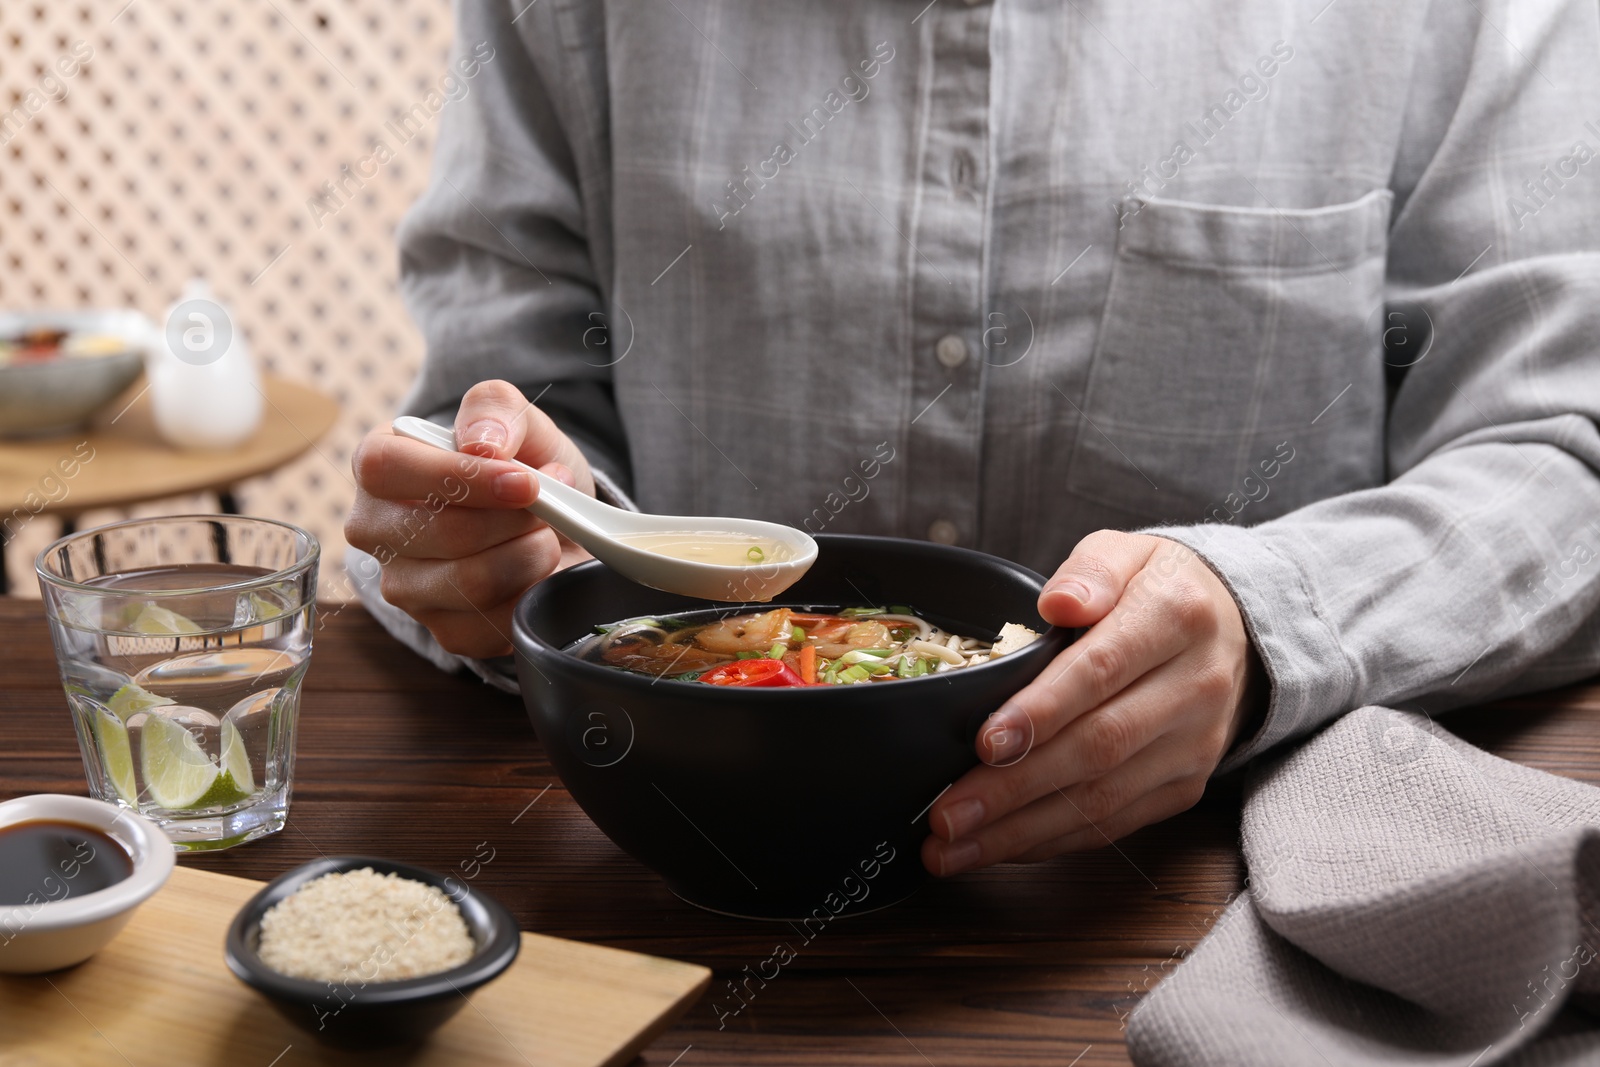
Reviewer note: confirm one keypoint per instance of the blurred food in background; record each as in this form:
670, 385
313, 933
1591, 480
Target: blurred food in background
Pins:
57, 368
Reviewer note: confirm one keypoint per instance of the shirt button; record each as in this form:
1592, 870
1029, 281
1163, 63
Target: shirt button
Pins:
963, 170
950, 351
943, 531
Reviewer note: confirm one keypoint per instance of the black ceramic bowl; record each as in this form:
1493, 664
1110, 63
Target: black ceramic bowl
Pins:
776, 803
355, 1015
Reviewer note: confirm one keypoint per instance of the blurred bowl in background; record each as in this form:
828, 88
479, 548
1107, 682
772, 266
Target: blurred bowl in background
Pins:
57, 368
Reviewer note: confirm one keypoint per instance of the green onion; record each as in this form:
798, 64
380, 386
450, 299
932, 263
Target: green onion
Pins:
859, 613
750, 655
755, 554
900, 609
797, 633
857, 673
688, 676
777, 650
859, 655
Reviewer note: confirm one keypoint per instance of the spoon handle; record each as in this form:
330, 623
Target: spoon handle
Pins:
557, 504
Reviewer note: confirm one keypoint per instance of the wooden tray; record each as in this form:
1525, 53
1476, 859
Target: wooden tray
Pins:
160, 994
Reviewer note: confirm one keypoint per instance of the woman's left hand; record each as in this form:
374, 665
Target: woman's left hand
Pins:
1122, 729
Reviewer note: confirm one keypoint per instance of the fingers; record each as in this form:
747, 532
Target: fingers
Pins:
473, 633
474, 583
489, 422
456, 547
1129, 643
390, 467
1169, 800
1172, 602
1088, 585
1172, 701
1159, 782
497, 422
391, 528
1122, 728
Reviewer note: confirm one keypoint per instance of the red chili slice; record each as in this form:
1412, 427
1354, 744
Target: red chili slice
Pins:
753, 672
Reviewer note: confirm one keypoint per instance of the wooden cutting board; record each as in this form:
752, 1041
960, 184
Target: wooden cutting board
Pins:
160, 995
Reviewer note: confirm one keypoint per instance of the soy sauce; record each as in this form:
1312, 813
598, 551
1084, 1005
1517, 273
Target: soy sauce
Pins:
45, 860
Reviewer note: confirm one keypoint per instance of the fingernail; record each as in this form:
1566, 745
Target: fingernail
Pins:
487, 433
958, 856
561, 473
963, 817
513, 487
1076, 590
1004, 741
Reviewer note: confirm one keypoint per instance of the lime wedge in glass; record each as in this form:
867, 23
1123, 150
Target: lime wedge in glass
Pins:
262, 607
235, 761
224, 790
131, 699
177, 772
115, 753
156, 620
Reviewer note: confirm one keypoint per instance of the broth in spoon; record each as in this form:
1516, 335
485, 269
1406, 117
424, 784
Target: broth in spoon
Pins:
710, 546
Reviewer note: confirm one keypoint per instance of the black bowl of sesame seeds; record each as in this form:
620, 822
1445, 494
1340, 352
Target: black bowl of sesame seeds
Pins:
362, 952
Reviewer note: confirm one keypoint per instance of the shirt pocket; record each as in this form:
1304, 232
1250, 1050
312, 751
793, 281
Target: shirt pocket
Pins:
1227, 334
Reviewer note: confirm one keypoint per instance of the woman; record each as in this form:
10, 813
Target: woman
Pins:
1310, 298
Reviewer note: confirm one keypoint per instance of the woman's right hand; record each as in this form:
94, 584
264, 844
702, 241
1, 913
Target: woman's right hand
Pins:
451, 532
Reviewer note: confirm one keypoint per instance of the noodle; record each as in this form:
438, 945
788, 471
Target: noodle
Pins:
850, 646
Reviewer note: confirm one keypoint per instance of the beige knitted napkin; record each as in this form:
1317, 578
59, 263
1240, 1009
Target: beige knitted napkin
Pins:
1411, 899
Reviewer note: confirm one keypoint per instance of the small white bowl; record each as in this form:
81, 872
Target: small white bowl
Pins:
53, 934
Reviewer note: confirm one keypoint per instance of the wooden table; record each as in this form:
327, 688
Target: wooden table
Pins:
129, 463
1015, 965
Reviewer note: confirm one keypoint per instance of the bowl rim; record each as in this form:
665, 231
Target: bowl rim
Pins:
294, 570
148, 847
499, 949
132, 326
524, 641
127, 357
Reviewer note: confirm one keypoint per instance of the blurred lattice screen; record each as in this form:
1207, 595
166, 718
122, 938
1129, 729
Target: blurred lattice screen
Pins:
188, 144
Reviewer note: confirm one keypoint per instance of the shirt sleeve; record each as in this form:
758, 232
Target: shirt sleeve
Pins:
1474, 572
497, 266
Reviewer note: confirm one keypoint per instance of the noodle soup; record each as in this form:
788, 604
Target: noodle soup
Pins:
787, 647
721, 549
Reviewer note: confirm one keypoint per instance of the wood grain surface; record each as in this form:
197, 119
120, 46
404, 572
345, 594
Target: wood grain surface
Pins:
1013, 965
161, 993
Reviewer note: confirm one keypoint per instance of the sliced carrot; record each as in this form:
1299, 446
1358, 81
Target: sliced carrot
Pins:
808, 664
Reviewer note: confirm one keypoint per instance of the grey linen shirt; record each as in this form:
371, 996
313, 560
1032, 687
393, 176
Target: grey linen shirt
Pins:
1310, 288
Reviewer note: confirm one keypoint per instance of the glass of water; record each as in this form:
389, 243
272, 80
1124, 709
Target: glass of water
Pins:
182, 644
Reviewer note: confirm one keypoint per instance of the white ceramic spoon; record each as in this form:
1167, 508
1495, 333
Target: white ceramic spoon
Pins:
602, 530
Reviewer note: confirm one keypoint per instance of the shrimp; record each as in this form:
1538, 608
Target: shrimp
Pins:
834, 641
746, 633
